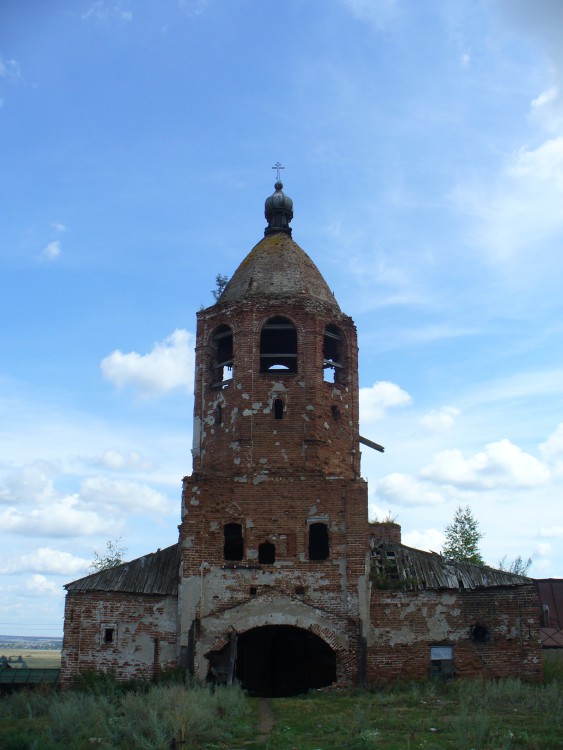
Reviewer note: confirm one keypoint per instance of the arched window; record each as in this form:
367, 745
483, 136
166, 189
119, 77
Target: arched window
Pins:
222, 359
318, 541
267, 553
278, 346
333, 364
233, 547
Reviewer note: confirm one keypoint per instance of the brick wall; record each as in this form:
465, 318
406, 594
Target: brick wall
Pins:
143, 641
404, 626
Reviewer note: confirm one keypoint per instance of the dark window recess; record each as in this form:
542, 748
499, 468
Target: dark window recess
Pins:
300, 590
233, 548
333, 365
253, 591
318, 541
218, 414
278, 408
335, 413
479, 633
278, 346
109, 635
267, 553
222, 359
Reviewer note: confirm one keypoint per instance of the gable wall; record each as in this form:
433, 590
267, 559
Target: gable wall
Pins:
145, 634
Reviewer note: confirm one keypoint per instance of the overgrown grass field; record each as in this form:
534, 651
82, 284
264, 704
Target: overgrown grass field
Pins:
35, 658
460, 715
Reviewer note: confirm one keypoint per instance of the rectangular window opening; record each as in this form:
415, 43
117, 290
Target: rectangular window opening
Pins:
109, 634
441, 662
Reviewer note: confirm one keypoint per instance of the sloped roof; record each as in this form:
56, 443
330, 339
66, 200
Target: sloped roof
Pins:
156, 573
397, 566
277, 266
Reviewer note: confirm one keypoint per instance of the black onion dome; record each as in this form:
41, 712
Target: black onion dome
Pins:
278, 211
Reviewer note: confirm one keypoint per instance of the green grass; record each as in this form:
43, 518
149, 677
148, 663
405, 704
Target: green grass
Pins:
459, 715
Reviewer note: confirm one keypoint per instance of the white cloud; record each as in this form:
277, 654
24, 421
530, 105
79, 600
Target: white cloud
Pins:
32, 483
440, 420
500, 465
9, 69
115, 459
46, 560
541, 165
552, 450
193, 7
378, 12
381, 396
522, 207
102, 11
431, 540
59, 519
168, 366
402, 489
51, 251
547, 96
551, 531
58, 226
101, 492
38, 584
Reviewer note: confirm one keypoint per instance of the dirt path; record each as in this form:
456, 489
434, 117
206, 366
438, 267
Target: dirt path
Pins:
266, 723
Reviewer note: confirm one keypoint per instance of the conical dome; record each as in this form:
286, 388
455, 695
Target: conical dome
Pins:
277, 267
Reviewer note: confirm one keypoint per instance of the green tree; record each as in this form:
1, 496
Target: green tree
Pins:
518, 565
462, 538
113, 555
220, 284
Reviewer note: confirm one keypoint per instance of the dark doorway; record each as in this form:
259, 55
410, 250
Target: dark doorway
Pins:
280, 660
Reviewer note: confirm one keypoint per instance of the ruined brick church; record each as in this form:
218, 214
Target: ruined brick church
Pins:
278, 580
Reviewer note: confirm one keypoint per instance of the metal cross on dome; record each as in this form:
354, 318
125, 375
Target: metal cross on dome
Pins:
278, 166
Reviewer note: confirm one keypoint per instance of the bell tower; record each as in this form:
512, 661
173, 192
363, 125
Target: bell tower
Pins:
274, 533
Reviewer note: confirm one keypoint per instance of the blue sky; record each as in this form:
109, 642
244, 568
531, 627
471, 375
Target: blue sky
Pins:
423, 150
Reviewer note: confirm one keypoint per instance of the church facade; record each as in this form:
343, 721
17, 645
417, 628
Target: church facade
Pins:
278, 580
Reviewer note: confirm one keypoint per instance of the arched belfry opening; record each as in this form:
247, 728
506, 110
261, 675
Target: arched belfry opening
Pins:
278, 346
333, 356
281, 660
222, 357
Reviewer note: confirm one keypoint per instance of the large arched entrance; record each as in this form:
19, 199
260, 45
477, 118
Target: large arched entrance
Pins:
277, 660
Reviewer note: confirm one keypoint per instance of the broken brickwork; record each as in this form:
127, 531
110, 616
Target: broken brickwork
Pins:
278, 580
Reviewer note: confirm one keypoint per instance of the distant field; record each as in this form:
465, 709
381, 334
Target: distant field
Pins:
35, 658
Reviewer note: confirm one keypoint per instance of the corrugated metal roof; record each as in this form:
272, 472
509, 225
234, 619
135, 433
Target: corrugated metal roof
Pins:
397, 566
550, 592
156, 573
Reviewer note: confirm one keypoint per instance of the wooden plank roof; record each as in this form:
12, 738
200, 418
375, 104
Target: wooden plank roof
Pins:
155, 573
397, 566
